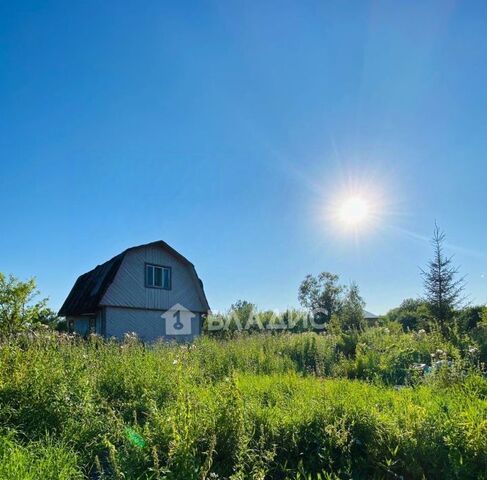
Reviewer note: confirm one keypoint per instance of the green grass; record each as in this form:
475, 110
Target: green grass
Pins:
277, 407
37, 460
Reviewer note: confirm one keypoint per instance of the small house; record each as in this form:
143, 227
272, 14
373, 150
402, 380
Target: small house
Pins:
151, 290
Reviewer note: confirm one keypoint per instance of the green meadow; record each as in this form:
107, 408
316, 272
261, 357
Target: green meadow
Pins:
263, 406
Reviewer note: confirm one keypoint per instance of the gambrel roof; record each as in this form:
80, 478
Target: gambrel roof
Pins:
89, 289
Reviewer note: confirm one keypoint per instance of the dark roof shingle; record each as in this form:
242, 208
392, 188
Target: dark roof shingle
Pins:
90, 287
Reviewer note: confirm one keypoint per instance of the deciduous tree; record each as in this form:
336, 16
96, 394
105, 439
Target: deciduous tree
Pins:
18, 309
352, 312
321, 294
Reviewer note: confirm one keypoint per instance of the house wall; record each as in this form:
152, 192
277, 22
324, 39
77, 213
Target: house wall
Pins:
128, 288
148, 324
82, 323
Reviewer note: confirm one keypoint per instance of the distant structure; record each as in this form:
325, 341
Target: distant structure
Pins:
370, 318
150, 290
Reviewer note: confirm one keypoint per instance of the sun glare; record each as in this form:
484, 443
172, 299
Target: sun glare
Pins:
354, 208
354, 211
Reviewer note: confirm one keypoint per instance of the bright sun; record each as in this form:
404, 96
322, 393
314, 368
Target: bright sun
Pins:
354, 211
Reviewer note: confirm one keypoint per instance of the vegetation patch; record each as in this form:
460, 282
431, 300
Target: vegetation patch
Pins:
258, 406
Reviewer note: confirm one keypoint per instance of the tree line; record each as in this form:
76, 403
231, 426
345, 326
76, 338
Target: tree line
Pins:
340, 308
442, 306
333, 306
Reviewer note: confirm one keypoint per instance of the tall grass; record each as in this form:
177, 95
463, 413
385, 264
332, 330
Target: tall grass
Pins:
262, 406
37, 460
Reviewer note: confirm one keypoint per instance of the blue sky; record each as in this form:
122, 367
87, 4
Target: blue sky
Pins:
229, 128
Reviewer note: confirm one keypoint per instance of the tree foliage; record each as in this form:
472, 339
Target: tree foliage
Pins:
341, 307
18, 309
243, 311
443, 289
470, 317
411, 314
321, 294
352, 311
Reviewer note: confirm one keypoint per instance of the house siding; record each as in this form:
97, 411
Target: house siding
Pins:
148, 324
128, 288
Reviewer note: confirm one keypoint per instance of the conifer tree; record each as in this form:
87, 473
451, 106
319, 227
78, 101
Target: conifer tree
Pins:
443, 289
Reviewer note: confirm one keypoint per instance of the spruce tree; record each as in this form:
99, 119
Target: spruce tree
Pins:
443, 289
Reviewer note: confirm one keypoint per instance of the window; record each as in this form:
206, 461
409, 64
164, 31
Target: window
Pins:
158, 277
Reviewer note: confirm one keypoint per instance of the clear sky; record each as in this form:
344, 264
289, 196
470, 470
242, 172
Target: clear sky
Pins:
232, 129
